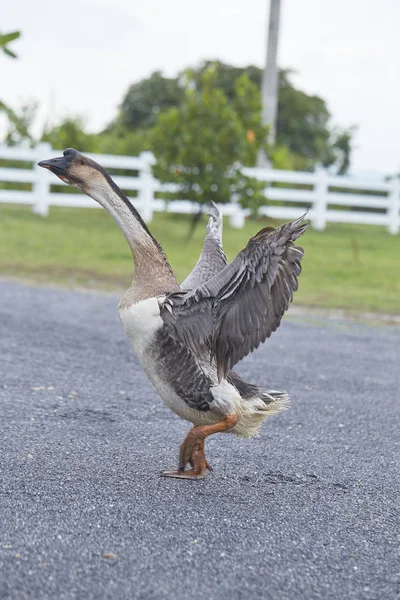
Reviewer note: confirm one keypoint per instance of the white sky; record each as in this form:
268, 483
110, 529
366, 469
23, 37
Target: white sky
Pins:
77, 57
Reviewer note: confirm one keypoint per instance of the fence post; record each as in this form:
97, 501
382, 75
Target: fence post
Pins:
394, 206
146, 191
320, 204
41, 182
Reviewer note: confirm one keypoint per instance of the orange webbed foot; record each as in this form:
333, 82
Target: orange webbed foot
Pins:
192, 450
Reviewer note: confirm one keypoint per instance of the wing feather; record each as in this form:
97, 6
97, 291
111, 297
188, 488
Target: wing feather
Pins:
236, 310
212, 258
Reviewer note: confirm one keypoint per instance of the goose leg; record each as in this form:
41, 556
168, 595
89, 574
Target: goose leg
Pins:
192, 450
197, 457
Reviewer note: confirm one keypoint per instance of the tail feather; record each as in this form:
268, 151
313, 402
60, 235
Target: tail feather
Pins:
256, 405
270, 396
253, 411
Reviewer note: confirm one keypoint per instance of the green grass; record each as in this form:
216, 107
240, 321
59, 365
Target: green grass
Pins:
352, 267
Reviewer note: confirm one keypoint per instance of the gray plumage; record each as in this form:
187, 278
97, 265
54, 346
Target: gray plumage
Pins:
211, 261
182, 370
212, 258
238, 308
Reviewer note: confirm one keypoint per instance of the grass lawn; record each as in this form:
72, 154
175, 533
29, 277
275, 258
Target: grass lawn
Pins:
352, 267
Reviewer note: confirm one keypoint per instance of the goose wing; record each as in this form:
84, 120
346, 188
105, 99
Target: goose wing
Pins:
236, 310
212, 258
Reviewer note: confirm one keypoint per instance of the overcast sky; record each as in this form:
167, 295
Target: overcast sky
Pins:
77, 57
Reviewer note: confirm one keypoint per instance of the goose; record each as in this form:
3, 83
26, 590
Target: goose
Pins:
188, 338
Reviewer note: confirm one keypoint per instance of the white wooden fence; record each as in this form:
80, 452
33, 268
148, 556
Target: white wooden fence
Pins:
330, 198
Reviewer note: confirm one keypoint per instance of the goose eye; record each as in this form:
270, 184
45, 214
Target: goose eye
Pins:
83, 162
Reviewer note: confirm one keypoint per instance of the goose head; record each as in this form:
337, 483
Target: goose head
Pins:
87, 175
79, 171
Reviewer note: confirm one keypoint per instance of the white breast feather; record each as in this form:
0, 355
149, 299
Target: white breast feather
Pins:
141, 322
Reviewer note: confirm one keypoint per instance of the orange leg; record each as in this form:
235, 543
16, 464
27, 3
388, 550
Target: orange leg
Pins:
192, 449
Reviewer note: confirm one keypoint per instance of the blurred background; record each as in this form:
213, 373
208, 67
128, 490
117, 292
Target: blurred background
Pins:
265, 107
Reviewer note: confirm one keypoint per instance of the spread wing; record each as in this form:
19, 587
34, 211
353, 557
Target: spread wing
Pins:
236, 310
212, 258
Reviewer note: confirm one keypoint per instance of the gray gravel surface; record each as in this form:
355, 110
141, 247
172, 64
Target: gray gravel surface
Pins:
309, 509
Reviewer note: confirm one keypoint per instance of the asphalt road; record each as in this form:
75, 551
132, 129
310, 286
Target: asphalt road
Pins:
310, 509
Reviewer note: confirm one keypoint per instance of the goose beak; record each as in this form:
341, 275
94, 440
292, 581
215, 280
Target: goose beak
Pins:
59, 166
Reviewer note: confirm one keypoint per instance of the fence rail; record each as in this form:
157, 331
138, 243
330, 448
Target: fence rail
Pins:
287, 193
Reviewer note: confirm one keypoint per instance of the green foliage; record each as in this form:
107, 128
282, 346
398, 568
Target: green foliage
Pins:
227, 75
247, 104
7, 38
123, 141
7, 110
20, 123
304, 122
342, 148
70, 133
18, 131
144, 100
283, 158
201, 145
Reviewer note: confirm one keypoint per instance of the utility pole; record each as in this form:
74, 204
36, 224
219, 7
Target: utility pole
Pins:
269, 85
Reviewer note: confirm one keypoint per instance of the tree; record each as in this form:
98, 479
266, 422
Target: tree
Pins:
144, 100
246, 102
121, 140
201, 145
70, 133
342, 148
304, 123
147, 98
227, 75
20, 123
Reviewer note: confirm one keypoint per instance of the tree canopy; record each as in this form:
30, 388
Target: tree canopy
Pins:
304, 128
70, 133
306, 135
146, 99
202, 144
